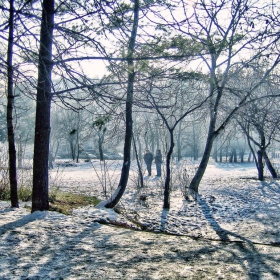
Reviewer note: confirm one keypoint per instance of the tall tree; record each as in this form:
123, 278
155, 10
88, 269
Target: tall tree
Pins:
10, 105
40, 198
128, 111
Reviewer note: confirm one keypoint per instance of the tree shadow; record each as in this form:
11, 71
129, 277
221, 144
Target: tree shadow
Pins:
269, 190
245, 245
22, 221
78, 247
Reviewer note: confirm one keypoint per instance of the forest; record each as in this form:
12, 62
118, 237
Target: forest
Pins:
194, 79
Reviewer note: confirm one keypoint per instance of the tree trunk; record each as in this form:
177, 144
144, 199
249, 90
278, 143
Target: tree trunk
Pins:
269, 166
10, 106
113, 201
205, 158
140, 154
166, 194
260, 165
78, 147
221, 154
249, 157
215, 154
194, 145
72, 149
20, 154
241, 155
234, 155
40, 198
140, 174
179, 150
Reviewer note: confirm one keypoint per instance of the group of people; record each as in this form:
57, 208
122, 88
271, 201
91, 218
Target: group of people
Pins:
149, 157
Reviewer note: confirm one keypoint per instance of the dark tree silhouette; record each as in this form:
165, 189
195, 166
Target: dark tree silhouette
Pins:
10, 106
40, 198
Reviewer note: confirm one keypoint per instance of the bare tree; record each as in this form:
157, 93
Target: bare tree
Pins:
40, 197
10, 105
173, 102
128, 111
259, 122
224, 30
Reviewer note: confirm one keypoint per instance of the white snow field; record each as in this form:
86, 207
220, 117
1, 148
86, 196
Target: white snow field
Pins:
231, 232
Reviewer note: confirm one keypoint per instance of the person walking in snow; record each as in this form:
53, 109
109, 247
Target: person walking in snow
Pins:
158, 162
148, 158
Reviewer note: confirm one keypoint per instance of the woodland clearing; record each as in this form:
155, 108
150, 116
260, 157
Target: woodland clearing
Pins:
231, 232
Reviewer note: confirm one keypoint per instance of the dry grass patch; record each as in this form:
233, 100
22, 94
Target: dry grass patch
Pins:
64, 202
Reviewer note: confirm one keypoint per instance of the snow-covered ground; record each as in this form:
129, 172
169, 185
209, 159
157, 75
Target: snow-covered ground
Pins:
231, 232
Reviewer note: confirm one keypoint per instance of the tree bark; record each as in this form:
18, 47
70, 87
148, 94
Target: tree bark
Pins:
166, 194
260, 165
40, 198
113, 201
10, 106
205, 157
140, 174
269, 166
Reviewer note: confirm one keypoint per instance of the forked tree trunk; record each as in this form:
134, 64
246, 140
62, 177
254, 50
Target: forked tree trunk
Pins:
40, 198
10, 106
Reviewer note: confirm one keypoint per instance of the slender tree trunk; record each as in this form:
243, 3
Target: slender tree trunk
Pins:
113, 201
205, 158
221, 154
249, 157
157, 138
140, 174
215, 154
269, 166
10, 106
227, 153
194, 145
234, 155
100, 147
40, 198
241, 155
78, 147
231, 155
179, 149
166, 194
72, 148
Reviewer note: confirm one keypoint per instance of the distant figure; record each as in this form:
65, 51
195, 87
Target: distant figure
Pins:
158, 162
148, 158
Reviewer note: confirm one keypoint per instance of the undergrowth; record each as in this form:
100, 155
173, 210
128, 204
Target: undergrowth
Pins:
64, 202
61, 202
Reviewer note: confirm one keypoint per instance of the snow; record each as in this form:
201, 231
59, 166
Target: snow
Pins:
231, 232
